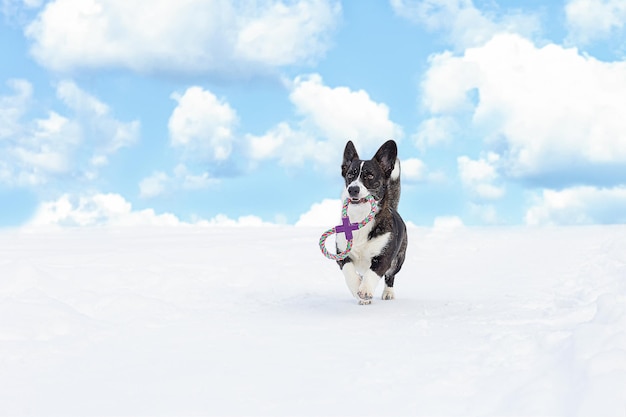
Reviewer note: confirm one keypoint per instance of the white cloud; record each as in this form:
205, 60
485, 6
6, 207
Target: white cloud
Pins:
462, 22
590, 20
203, 128
435, 131
160, 183
479, 175
487, 213
242, 221
32, 151
13, 107
189, 180
413, 170
545, 110
292, 146
101, 210
49, 146
191, 37
97, 210
282, 34
340, 113
330, 116
579, 205
15, 10
324, 214
269, 144
153, 185
112, 134
202, 124
12, 7
79, 100
447, 223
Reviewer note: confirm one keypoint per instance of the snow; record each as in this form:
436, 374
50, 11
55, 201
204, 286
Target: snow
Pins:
182, 320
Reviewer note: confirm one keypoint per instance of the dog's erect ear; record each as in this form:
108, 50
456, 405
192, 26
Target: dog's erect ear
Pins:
386, 157
349, 154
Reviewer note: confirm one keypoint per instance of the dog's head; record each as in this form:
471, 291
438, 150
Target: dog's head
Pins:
364, 177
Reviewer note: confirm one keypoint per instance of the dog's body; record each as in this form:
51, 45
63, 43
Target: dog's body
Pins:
379, 248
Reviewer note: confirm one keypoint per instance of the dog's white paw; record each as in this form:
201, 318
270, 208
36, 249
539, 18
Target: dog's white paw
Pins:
365, 292
388, 294
364, 302
365, 295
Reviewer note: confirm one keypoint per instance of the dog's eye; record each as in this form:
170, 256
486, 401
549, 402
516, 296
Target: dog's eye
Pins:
369, 177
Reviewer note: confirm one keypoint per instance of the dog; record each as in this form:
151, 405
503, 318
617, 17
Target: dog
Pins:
378, 248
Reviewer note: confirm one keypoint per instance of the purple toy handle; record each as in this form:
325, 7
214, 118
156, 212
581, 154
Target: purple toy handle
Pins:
346, 227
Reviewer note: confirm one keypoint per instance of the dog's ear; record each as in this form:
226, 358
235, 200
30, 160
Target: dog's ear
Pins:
386, 157
349, 154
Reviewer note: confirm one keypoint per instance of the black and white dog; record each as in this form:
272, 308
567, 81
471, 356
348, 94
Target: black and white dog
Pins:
378, 249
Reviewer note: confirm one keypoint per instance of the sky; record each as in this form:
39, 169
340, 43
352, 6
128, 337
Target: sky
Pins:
233, 112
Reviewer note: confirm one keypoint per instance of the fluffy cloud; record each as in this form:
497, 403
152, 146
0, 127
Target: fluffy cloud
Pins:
153, 185
281, 34
97, 210
35, 150
447, 223
330, 116
191, 181
202, 124
486, 213
479, 176
291, 145
161, 183
111, 134
340, 113
579, 205
113, 210
13, 107
323, 214
242, 221
463, 24
203, 128
435, 131
590, 20
269, 144
413, 170
548, 112
190, 37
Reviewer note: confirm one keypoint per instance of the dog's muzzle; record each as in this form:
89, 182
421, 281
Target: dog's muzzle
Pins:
354, 191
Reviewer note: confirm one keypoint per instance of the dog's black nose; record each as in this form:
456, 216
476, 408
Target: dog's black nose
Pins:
354, 190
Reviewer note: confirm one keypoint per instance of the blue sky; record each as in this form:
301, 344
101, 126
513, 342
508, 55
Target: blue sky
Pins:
505, 112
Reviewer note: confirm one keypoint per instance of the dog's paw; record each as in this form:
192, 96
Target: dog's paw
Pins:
365, 295
363, 302
388, 294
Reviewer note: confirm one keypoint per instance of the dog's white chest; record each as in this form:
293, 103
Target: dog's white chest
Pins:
363, 248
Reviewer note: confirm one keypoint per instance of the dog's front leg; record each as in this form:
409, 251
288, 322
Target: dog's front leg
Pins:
353, 279
367, 287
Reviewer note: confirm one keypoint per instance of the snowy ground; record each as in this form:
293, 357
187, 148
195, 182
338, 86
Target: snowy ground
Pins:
254, 321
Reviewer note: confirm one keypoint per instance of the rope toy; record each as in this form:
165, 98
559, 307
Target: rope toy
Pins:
346, 228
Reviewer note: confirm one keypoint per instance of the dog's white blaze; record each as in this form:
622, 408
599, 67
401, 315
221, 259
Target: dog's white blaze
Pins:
357, 182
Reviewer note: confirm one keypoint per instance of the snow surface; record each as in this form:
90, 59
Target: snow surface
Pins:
182, 321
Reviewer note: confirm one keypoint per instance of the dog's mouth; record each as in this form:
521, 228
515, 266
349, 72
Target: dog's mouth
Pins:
356, 200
